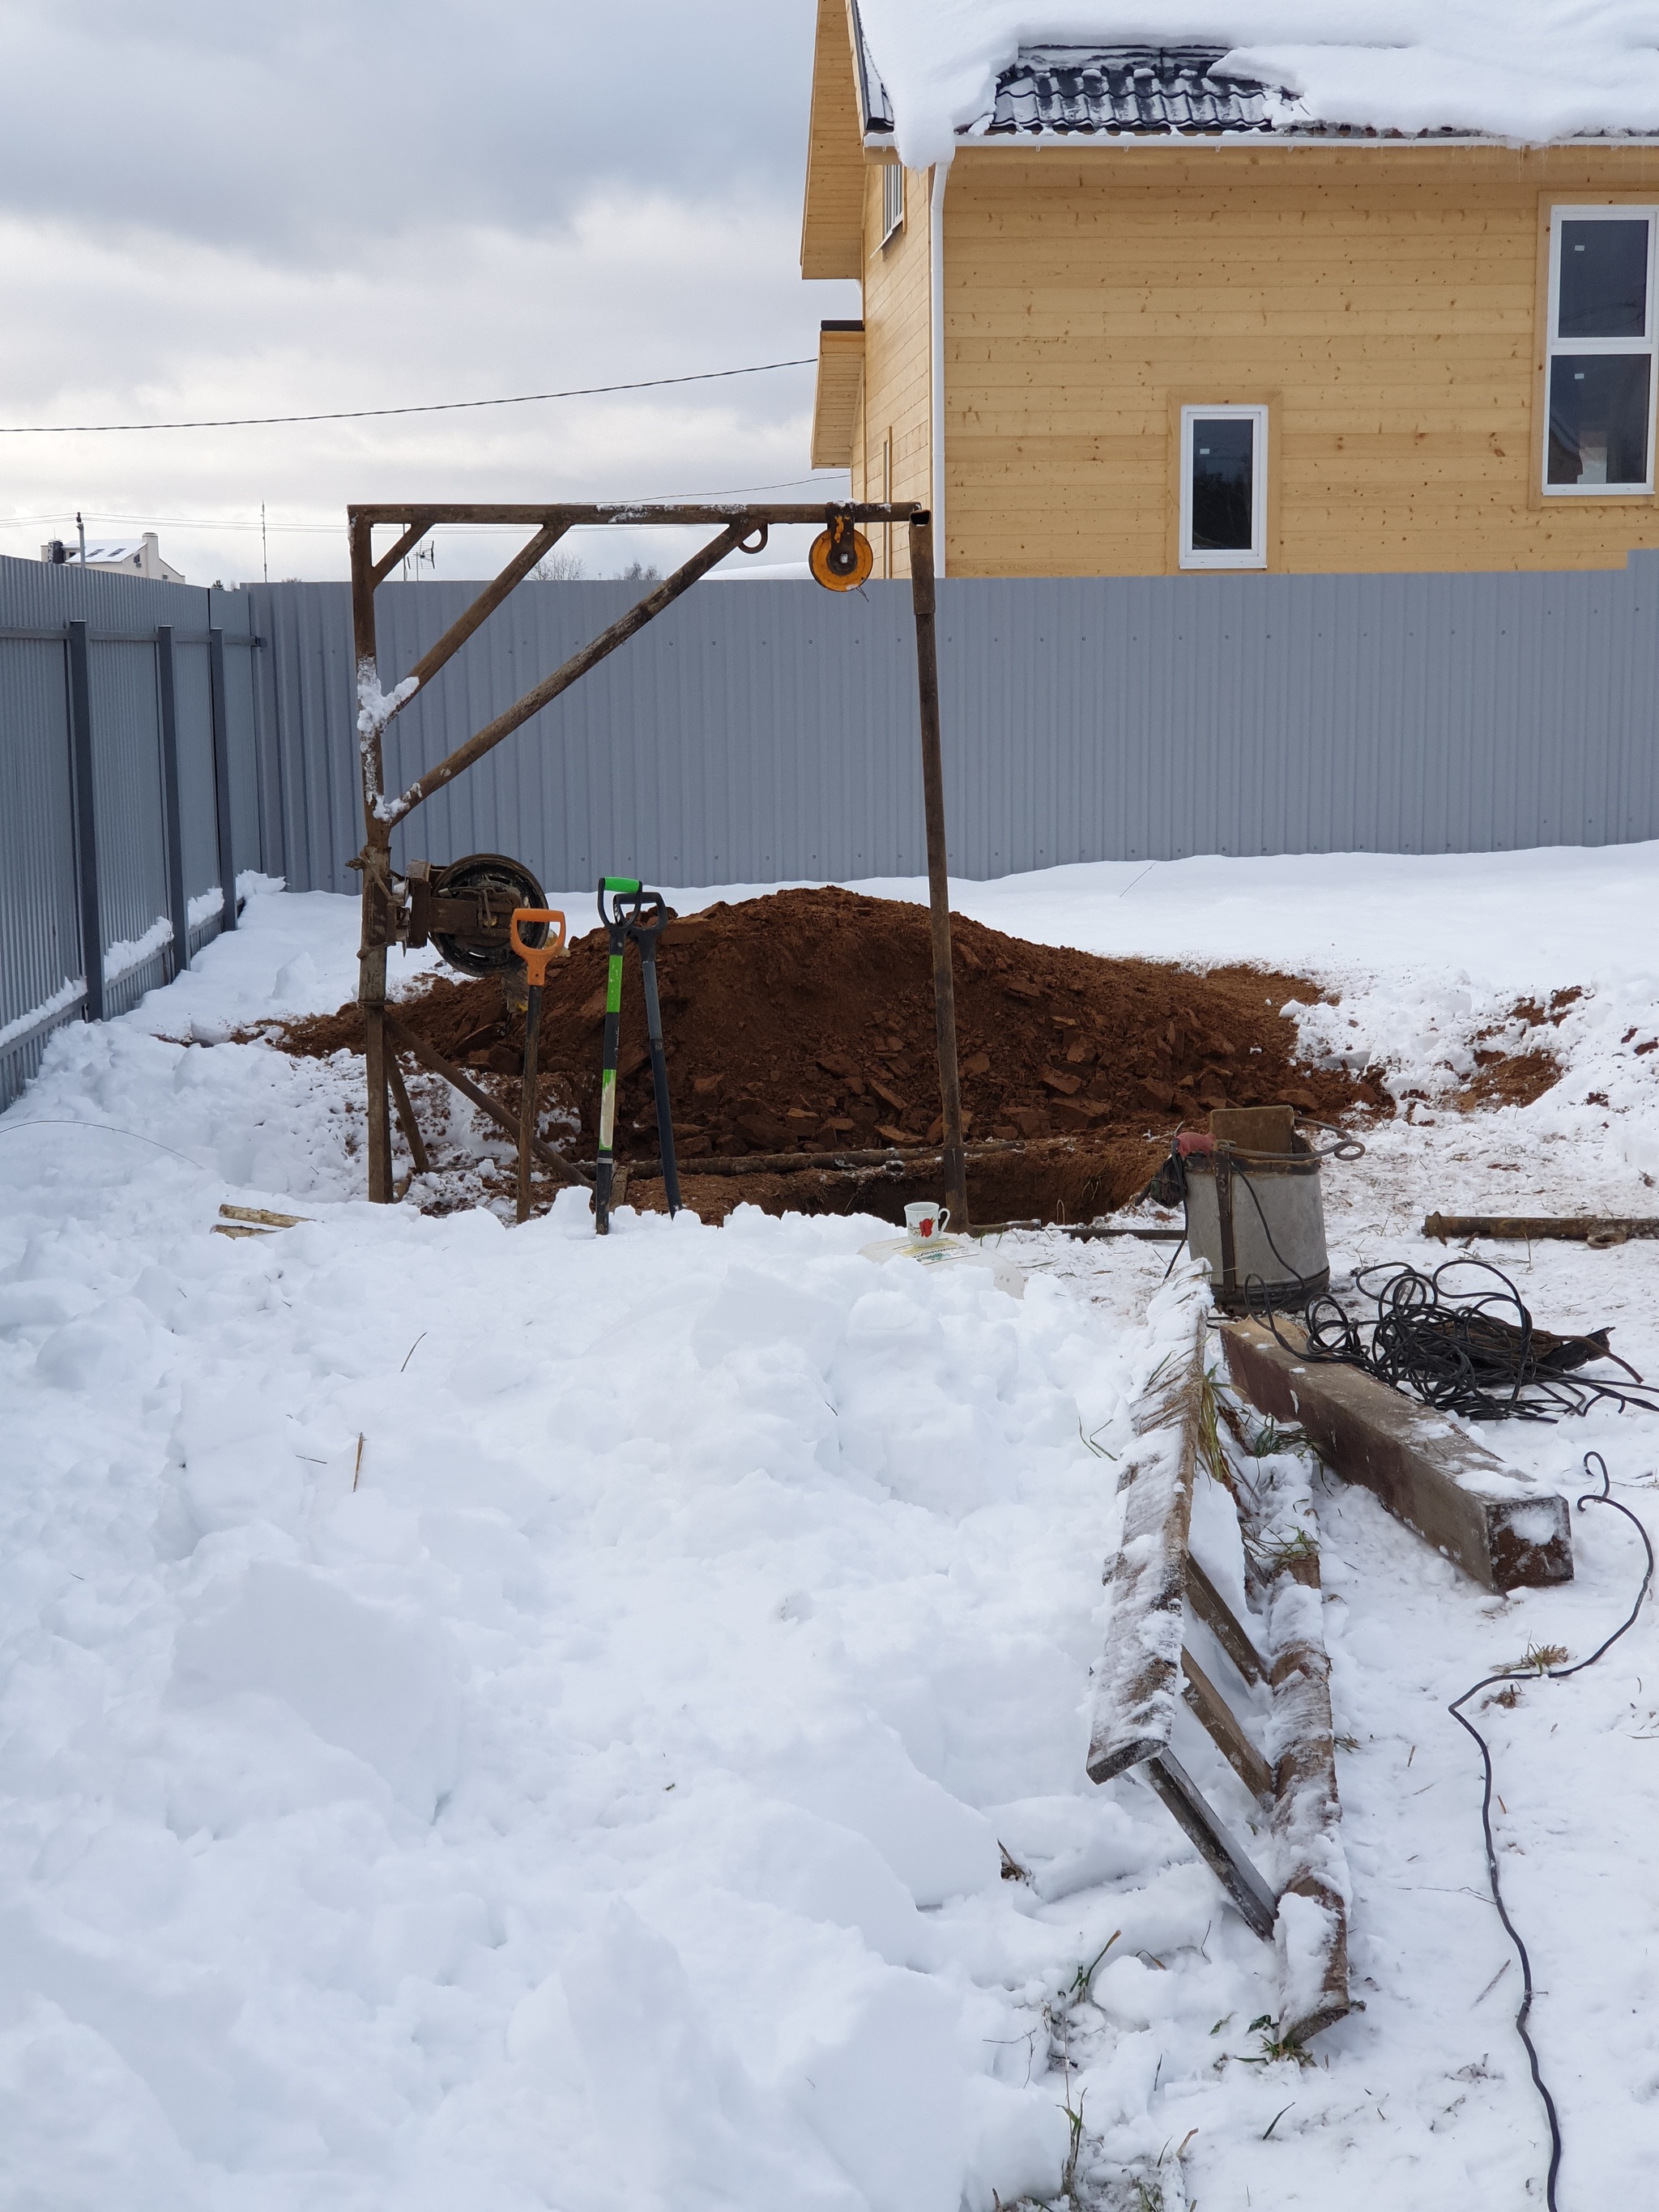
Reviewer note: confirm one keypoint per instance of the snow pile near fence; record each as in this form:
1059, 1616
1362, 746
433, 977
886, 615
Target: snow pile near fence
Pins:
1533, 70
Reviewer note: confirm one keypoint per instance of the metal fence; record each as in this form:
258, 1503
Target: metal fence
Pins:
764, 731
128, 749
760, 731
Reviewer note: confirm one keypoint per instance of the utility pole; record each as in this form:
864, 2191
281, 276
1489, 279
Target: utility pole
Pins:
81, 527
265, 549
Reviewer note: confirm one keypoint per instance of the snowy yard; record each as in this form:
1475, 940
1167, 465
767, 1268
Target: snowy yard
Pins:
494, 1718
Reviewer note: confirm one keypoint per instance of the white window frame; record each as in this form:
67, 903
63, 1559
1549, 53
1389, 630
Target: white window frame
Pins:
1256, 557
892, 200
1603, 211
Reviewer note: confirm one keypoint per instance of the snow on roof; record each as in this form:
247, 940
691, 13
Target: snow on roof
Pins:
1132, 89
1534, 71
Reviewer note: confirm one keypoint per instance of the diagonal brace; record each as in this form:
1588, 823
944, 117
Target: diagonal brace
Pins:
485, 604
411, 538
561, 678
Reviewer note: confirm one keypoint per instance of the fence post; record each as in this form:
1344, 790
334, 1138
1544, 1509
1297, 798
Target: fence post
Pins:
221, 774
177, 903
86, 820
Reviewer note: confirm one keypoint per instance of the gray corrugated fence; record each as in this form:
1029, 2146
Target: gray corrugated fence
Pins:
119, 814
759, 731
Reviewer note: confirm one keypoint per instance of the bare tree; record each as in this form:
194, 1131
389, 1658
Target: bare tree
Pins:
558, 568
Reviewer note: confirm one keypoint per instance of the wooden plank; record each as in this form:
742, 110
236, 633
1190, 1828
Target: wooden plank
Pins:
1140, 1678
412, 1041
1543, 1227
1499, 1526
1217, 1616
1369, 171
1214, 1842
1206, 1705
405, 1113
1312, 1931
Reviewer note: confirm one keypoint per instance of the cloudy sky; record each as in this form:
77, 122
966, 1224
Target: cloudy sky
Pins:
211, 211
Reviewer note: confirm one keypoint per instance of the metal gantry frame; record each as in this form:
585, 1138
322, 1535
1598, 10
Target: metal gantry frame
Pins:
736, 528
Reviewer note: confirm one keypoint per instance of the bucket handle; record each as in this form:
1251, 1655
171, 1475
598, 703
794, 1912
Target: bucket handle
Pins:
1341, 1147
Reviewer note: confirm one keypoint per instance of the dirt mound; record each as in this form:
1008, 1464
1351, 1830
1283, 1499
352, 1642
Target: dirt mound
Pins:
804, 1022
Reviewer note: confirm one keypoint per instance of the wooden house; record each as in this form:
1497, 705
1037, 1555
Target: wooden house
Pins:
1151, 313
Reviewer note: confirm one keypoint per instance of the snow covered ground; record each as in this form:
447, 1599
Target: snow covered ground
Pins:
494, 1716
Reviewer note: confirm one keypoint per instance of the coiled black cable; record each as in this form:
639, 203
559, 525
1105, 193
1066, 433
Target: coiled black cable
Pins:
1460, 1356
1481, 1356
1555, 1674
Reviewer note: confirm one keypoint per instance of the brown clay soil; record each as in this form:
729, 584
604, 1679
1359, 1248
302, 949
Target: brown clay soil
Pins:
1519, 1078
804, 1022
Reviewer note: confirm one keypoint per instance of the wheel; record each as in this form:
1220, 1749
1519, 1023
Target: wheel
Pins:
840, 557
499, 886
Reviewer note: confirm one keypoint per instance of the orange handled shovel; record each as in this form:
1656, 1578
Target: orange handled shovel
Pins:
536, 959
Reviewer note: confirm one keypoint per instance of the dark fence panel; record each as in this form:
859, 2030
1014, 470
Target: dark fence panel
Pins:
95, 849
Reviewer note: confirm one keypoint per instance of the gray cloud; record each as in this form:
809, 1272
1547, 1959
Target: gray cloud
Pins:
308, 130
206, 212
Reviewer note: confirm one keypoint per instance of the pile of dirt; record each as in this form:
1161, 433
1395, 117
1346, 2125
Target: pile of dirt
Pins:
804, 1022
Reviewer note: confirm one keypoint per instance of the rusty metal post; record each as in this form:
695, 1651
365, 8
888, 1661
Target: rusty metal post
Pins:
939, 882
377, 864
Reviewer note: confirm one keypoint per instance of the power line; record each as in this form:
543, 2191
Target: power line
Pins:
285, 529
367, 413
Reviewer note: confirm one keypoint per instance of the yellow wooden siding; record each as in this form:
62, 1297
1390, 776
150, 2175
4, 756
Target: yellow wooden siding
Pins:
835, 399
896, 324
831, 232
1384, 301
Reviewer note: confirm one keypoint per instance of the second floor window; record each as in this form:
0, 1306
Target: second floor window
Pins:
1600, 351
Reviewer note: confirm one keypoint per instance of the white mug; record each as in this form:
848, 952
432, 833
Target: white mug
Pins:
923, 1221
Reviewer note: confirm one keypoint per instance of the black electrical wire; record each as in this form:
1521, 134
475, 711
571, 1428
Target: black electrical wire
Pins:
1555, 1674
1481, 1356
1460, 1356
431, 407
111, 1129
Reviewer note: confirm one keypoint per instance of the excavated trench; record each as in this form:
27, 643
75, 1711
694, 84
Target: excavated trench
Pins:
802, 1022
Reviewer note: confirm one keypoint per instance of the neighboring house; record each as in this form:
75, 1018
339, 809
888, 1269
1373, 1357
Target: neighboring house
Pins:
125, 556
1174, 307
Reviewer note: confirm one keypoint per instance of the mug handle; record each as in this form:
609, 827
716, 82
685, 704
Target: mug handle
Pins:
939, 1220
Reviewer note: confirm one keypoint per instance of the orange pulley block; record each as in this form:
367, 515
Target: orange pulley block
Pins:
841, 558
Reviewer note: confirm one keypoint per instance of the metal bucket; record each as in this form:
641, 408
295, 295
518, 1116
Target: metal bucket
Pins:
1257, 1218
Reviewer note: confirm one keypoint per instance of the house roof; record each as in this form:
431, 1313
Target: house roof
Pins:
1061, 89
934, 73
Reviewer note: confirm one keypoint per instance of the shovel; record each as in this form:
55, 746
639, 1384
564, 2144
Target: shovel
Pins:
535, 958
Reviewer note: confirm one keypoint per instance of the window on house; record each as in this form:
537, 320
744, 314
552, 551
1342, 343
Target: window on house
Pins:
892, 199
1600, 353
1224, 487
